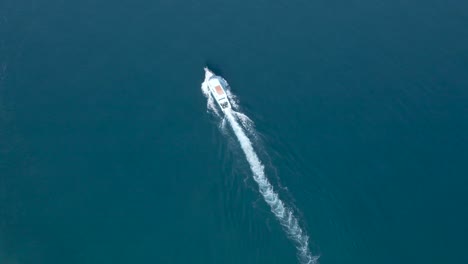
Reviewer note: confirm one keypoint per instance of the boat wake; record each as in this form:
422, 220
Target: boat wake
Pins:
285, 215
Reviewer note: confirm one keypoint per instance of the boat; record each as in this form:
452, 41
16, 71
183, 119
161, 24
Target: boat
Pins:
217, 90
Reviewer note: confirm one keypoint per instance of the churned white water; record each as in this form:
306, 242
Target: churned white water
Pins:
283, 213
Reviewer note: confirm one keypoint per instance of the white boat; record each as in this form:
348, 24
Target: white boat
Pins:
217, 90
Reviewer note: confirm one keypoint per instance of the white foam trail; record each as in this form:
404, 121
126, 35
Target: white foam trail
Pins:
222, 126
232, 99
245, 120
284, 214
247, 124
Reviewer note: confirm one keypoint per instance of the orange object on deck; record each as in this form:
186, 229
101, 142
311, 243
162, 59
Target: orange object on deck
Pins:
219, 90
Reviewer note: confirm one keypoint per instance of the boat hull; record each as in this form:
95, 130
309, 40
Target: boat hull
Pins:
217, 90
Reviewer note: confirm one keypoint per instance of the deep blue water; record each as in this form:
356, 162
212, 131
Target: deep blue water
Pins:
108, 154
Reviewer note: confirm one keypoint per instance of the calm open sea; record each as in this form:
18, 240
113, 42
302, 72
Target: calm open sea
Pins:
109, 155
